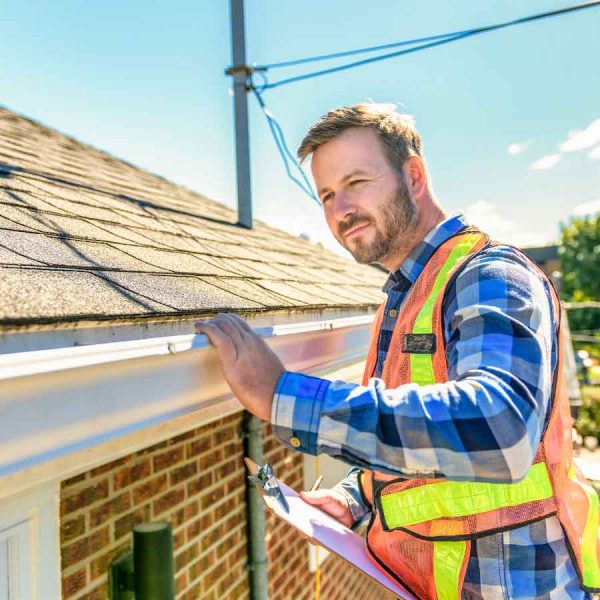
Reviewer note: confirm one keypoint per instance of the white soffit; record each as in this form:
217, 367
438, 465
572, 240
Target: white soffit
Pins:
67, 410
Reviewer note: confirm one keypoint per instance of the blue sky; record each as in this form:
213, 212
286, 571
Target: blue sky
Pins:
144, 81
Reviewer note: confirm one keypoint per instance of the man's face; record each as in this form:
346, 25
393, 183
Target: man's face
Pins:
365, 200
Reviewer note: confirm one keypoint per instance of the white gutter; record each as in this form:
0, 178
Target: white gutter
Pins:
67, 410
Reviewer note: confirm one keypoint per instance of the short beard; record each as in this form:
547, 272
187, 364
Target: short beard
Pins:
398, 216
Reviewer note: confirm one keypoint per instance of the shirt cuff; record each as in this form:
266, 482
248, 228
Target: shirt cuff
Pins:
350, 489
296, 410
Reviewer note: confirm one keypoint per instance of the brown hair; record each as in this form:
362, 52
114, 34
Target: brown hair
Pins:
395, 130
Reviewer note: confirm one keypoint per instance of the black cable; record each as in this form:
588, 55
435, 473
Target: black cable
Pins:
438, 41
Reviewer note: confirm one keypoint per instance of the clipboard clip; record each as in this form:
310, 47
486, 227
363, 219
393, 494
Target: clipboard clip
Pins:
266, 480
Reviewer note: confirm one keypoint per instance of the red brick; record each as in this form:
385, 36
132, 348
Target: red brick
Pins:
73, 480
99, 566
204, 444
200, 483
195, 592
150, 488
111, 466
229, 467
178, 539
186, 557
152, 449
83, 548
182, 473
113, 507
200, 525
168, 501
184, 437
224, 435
185, 513
212, 498
132, 474
167, 459
208, 461
74, 583
124, 524
98, 593
181, 582
237, 482
201, 566
71, 529
84, 497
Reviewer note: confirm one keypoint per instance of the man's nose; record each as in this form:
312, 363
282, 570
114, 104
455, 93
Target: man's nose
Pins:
344, 206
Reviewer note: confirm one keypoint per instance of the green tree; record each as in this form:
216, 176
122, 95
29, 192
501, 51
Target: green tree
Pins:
580, 261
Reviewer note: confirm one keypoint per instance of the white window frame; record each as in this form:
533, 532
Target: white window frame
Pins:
14, 549
30, 533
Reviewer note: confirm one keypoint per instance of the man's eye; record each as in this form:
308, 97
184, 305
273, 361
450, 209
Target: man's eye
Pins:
355, 181
326, 198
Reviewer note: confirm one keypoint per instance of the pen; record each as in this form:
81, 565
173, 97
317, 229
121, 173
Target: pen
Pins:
317, 484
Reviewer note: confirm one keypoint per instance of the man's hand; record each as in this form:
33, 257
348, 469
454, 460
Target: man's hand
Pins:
250, 367
332, 502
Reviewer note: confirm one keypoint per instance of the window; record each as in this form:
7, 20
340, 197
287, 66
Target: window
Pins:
30, 545
14, 583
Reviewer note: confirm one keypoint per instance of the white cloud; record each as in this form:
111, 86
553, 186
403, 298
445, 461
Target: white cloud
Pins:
580, 140
518, 147
546, 162
595, 153
485, 215
588, 208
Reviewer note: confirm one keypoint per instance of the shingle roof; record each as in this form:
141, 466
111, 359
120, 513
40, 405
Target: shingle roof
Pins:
84, 235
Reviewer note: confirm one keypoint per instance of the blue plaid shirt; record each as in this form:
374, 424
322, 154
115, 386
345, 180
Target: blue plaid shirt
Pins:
484, 424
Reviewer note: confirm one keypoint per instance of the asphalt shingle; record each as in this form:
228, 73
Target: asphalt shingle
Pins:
86, 235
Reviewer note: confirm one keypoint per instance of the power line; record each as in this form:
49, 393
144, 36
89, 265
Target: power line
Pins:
322, 57
289, 161
436, 41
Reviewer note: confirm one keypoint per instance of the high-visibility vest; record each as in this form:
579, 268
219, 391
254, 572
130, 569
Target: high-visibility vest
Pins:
421, 530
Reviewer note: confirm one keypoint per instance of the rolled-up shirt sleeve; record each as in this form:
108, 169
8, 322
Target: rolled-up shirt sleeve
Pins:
483, 424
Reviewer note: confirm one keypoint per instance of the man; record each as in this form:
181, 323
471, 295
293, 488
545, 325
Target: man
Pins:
459, 428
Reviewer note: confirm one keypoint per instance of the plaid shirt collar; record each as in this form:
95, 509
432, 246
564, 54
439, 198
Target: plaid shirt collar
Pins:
414, 263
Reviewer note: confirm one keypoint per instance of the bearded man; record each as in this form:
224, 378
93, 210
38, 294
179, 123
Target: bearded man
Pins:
460, 433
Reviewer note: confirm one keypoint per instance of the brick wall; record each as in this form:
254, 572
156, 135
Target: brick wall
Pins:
195, 481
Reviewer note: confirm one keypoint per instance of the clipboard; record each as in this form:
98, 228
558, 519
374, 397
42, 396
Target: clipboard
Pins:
325, 531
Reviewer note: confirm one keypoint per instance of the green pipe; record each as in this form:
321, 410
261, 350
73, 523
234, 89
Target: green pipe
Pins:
257, 550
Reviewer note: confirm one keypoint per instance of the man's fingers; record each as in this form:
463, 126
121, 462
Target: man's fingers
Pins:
216, 335
242, 323
317, 498
231, 328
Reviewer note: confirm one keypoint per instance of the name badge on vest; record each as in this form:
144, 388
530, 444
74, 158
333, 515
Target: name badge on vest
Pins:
419, 343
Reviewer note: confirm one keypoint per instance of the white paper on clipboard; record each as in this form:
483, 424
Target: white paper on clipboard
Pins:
329, 533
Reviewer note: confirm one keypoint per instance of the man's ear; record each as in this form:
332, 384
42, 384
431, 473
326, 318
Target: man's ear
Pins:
415, 176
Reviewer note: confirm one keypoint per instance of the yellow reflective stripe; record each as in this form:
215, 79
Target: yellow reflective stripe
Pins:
421, 365
589, 556
448, 558
459, 499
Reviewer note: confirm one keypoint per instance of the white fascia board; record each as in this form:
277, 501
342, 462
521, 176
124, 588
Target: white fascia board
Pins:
65, 411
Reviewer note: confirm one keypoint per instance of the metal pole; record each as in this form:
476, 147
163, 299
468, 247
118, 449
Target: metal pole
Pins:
240, 74
257, 551
253, 442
